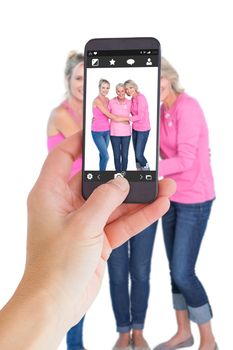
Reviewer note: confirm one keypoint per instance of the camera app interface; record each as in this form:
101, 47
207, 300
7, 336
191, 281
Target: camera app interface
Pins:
121, 115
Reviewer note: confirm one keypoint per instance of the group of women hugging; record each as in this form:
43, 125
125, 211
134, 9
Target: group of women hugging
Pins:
112, 120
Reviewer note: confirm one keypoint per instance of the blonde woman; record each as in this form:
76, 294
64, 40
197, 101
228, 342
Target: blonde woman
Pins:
65, 120
141, 123
120, 133
184, 148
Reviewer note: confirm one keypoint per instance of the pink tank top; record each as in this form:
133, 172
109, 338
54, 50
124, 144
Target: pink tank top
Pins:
100, 121
54, 140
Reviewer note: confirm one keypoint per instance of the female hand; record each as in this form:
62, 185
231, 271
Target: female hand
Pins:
69, 241
72, 239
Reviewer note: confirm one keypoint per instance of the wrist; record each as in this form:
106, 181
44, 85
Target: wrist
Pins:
34, 319
44, 296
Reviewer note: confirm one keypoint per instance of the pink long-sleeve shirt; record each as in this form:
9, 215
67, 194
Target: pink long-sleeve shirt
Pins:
119, 108
184, 147
140, 113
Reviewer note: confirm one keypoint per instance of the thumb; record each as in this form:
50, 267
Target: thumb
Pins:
102, 202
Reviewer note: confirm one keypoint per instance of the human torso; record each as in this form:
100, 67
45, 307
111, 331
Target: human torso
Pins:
122, 109
139, 107
195, 184
100, 122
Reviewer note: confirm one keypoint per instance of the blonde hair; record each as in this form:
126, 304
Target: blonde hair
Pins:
103, 81
169, 72
131, 83
72, 61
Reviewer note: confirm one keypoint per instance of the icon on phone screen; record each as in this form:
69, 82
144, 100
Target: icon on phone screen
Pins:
95, 62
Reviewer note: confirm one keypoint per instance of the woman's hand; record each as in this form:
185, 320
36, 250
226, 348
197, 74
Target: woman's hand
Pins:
69, 241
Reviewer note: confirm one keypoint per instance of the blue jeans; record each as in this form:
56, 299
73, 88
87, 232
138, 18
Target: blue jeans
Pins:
101, 139
74, 338
120, 146
132, 259
184, 226
139, 144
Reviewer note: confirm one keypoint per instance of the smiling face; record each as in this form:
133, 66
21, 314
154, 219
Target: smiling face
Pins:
76, 82
130, 90
165, 88
104, 89
120, 91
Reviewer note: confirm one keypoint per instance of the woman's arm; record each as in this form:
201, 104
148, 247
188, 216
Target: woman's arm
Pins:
142, 107
108, 114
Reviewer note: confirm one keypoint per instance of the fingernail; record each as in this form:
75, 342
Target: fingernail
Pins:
121, 182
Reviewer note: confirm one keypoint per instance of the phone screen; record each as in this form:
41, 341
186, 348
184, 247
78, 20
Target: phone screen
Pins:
121, 117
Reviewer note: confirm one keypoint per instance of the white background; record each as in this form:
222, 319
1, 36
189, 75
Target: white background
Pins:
146, 79
35, 39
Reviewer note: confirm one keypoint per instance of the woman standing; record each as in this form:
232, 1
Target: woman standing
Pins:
133, 259
120, 133
141, 123
100, 124
65, 120
184, 149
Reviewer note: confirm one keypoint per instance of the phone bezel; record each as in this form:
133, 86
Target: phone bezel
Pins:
140, 192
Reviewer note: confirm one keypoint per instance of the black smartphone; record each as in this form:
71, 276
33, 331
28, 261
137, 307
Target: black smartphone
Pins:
121, 115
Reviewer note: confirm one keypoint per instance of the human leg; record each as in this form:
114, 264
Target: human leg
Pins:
184, 226
207, 340
101, 139
74, 337
125, 140
116, 147
191, 222
140, 145
118, 268
134, 139
141, 248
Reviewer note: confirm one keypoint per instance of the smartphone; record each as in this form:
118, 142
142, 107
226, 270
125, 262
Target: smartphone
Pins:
121, 115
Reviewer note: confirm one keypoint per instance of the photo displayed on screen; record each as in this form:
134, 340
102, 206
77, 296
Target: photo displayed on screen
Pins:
121, 117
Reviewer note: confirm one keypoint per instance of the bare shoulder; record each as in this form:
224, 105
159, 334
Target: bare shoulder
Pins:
57, 116
96, 101
59, 112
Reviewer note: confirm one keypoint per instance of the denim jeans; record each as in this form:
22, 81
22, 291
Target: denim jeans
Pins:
139, 144
74, 338
101, 139
132, 259
120, 146
184, 226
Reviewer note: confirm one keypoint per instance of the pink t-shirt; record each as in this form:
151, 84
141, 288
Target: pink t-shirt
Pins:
140, 113
122, 109
54, 140
184, 147
100, 121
